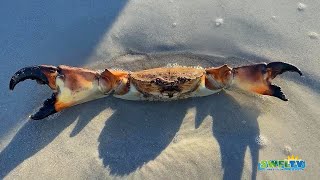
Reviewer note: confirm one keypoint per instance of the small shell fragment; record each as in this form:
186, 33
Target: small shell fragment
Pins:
219, 22
313, 35
301, 6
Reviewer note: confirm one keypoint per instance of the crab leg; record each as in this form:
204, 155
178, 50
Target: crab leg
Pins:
70, 85
257, 78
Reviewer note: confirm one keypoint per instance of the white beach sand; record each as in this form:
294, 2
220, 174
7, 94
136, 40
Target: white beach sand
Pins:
202, 138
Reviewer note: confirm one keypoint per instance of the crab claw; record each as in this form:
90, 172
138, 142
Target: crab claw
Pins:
257, 78
43, 75
70, 85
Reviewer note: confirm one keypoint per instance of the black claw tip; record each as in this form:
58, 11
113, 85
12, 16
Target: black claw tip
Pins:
46, 110
33, 73
281, 67
276, 92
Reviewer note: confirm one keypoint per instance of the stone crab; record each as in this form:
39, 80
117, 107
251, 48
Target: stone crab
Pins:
74, 85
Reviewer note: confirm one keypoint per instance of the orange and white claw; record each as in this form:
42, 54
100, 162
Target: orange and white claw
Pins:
70, 85
257, 78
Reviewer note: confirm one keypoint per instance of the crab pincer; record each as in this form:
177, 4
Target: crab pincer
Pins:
257, 77
70, 85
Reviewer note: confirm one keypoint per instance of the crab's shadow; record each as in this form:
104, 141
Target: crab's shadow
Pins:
235, 127
137, 132
36, 135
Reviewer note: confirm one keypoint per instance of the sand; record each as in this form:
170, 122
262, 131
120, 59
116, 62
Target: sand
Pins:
221, 136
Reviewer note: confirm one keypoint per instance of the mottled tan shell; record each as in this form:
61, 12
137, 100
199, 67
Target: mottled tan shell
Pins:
168, 81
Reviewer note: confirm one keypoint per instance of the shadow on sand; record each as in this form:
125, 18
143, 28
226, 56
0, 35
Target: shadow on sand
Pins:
35, 135
235, 127
138, 132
